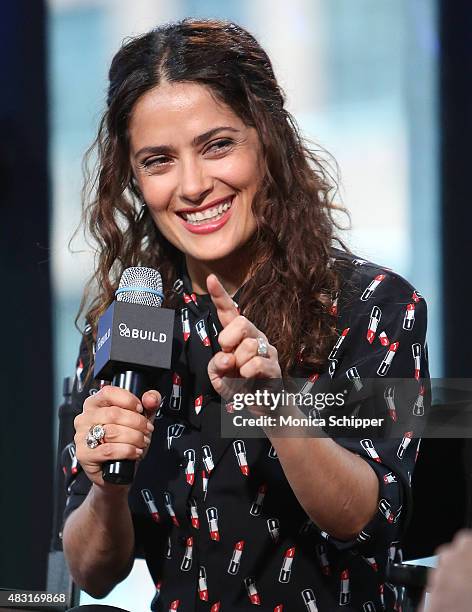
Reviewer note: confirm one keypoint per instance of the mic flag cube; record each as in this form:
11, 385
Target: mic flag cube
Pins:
133, 337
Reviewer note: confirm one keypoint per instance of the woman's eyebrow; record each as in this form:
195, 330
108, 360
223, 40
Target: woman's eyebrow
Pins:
198, 140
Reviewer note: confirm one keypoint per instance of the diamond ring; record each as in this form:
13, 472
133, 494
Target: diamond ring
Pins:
262, 348
95, 436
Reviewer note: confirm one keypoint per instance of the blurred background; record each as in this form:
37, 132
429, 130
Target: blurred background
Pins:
383, 86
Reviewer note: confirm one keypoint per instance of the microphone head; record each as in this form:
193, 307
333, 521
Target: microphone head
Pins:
140, 286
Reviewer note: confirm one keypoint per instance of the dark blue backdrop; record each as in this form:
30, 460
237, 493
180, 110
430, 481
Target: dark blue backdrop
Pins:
25, 304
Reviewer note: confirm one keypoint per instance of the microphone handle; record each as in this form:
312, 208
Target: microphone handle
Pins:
122, 472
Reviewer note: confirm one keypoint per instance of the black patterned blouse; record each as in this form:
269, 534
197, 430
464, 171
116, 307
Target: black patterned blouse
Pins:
216, 519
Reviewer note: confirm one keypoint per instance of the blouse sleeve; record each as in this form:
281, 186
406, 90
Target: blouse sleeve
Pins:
384, 349
76, 481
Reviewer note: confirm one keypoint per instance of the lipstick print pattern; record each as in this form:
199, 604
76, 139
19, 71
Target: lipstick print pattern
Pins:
223, 509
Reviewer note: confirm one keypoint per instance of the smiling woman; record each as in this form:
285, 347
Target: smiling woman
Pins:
203, 175
199, 189
169, 90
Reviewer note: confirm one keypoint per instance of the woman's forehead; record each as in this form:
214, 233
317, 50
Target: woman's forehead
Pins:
176, 114
180, 102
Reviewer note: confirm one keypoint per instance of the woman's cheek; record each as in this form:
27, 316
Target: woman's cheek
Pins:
234, 171
157, 194
241, 171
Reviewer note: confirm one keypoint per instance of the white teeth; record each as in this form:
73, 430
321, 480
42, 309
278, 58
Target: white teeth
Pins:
211, 213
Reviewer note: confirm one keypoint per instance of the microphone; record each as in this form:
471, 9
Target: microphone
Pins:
134, 340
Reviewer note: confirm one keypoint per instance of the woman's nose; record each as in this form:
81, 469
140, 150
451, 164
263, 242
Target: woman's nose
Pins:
195, 183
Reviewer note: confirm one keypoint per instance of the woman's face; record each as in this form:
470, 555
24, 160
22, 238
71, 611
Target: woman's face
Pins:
198, 167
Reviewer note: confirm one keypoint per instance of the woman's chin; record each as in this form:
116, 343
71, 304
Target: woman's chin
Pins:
210, 255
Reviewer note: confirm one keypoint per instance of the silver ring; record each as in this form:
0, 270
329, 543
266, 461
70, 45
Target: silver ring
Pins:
95, 436
262, 348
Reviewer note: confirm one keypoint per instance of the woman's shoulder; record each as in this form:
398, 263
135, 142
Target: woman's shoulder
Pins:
363, 280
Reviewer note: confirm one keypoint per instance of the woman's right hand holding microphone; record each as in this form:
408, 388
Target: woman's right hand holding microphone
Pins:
127, 423
98, 536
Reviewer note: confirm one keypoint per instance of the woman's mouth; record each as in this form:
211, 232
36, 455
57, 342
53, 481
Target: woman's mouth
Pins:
208, 220
210, 214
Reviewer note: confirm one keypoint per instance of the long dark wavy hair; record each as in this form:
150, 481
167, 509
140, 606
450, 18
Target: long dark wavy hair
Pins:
291, 284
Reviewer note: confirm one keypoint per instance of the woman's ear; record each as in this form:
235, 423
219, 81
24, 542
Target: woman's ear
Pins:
135, 190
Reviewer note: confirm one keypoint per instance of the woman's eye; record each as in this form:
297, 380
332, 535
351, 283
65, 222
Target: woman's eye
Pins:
154, 162
219, 145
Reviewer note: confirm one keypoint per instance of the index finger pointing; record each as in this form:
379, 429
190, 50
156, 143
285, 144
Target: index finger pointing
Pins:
225, 307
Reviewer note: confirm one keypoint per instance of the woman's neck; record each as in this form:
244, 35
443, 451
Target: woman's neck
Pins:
232, 274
